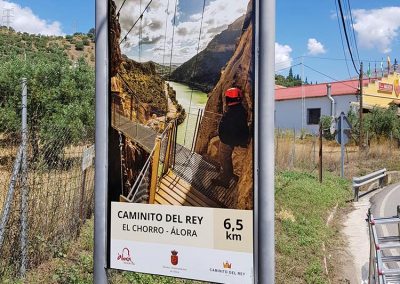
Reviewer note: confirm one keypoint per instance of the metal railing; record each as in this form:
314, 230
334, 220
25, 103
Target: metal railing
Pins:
363, 180
384, 251
150, 169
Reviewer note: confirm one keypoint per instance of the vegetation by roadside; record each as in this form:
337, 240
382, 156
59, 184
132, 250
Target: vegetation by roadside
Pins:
74, 265
302, 206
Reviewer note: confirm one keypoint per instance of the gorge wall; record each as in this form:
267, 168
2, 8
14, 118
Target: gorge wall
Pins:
238, 71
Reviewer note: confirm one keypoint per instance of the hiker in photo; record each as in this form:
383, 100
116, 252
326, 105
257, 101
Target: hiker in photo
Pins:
232, 131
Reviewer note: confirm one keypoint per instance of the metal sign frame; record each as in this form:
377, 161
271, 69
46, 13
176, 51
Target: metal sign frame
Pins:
264, 143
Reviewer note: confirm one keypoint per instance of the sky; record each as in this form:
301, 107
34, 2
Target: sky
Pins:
307, 32
157, 27
49, 17
308, 36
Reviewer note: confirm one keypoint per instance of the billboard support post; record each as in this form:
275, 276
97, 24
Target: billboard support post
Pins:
265, 71
101, 140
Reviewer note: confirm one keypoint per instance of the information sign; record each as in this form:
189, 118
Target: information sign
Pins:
181, 161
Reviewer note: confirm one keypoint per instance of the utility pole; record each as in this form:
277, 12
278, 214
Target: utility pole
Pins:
7, 17
361, 141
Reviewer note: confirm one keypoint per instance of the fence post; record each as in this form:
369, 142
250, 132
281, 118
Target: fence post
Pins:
82, 198
24, 179
10, 194
294, 149
154, 170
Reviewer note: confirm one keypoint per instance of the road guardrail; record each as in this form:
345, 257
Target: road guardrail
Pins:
363, 180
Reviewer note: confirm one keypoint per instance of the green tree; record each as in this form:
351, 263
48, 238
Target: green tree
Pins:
60, 100
290, 76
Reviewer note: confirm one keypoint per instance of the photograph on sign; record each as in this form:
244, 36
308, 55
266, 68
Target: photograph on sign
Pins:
181, 158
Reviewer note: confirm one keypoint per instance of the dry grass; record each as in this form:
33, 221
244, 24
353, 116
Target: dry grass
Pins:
303, 154
54, 206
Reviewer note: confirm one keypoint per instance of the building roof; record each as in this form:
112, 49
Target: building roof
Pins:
349, 87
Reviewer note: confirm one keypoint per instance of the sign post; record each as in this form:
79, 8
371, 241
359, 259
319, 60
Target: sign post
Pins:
342, 137
265, 243
101, 160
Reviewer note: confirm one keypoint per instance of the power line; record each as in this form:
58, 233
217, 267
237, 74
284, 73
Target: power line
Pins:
341, 38
330, 77
346, 35
340, 59
352, 28
291, 66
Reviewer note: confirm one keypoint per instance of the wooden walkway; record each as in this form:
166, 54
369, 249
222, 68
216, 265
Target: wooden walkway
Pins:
189, 182
173, 190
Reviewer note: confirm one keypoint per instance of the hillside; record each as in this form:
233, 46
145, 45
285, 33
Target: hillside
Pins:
23, 44
133, 78
209, 62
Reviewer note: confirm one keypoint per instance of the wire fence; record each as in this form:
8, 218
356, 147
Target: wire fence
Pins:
294, 151
59, 195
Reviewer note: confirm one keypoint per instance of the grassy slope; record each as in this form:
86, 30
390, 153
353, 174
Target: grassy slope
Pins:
302, 207
17, 44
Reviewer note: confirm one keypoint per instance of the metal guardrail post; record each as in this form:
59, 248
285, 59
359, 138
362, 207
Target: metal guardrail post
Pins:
398, 216
154, 170
356, 192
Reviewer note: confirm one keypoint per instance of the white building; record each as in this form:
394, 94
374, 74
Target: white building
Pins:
302, 107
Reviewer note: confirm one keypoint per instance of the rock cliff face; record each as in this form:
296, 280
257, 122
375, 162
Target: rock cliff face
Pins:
130, 77
239, 72
113, 37
209, 62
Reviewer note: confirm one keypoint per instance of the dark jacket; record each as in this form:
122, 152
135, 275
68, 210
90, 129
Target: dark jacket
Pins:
233, 129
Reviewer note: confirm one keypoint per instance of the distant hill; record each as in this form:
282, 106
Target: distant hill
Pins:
164, 70
211, 60
75, 46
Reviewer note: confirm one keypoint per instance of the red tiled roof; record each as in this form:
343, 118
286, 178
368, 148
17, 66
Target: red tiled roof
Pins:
349, 87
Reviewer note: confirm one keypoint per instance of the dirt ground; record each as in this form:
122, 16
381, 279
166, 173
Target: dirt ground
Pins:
341, 267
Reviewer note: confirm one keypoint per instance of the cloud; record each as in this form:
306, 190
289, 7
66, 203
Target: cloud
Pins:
148, 40
24, 20
156, 23
283, 58
315, 47
377, 28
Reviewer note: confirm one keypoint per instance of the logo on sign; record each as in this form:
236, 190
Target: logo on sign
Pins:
385, 87
227, 265
227, 269
125, 256
174, 257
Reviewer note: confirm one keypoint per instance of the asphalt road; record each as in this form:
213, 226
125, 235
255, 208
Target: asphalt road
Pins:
384, 204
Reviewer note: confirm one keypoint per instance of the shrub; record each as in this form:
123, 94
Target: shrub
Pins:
79, 46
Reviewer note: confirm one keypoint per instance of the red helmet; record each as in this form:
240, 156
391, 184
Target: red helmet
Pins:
233, 93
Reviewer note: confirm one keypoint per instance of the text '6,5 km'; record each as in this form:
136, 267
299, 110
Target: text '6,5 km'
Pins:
232, 227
